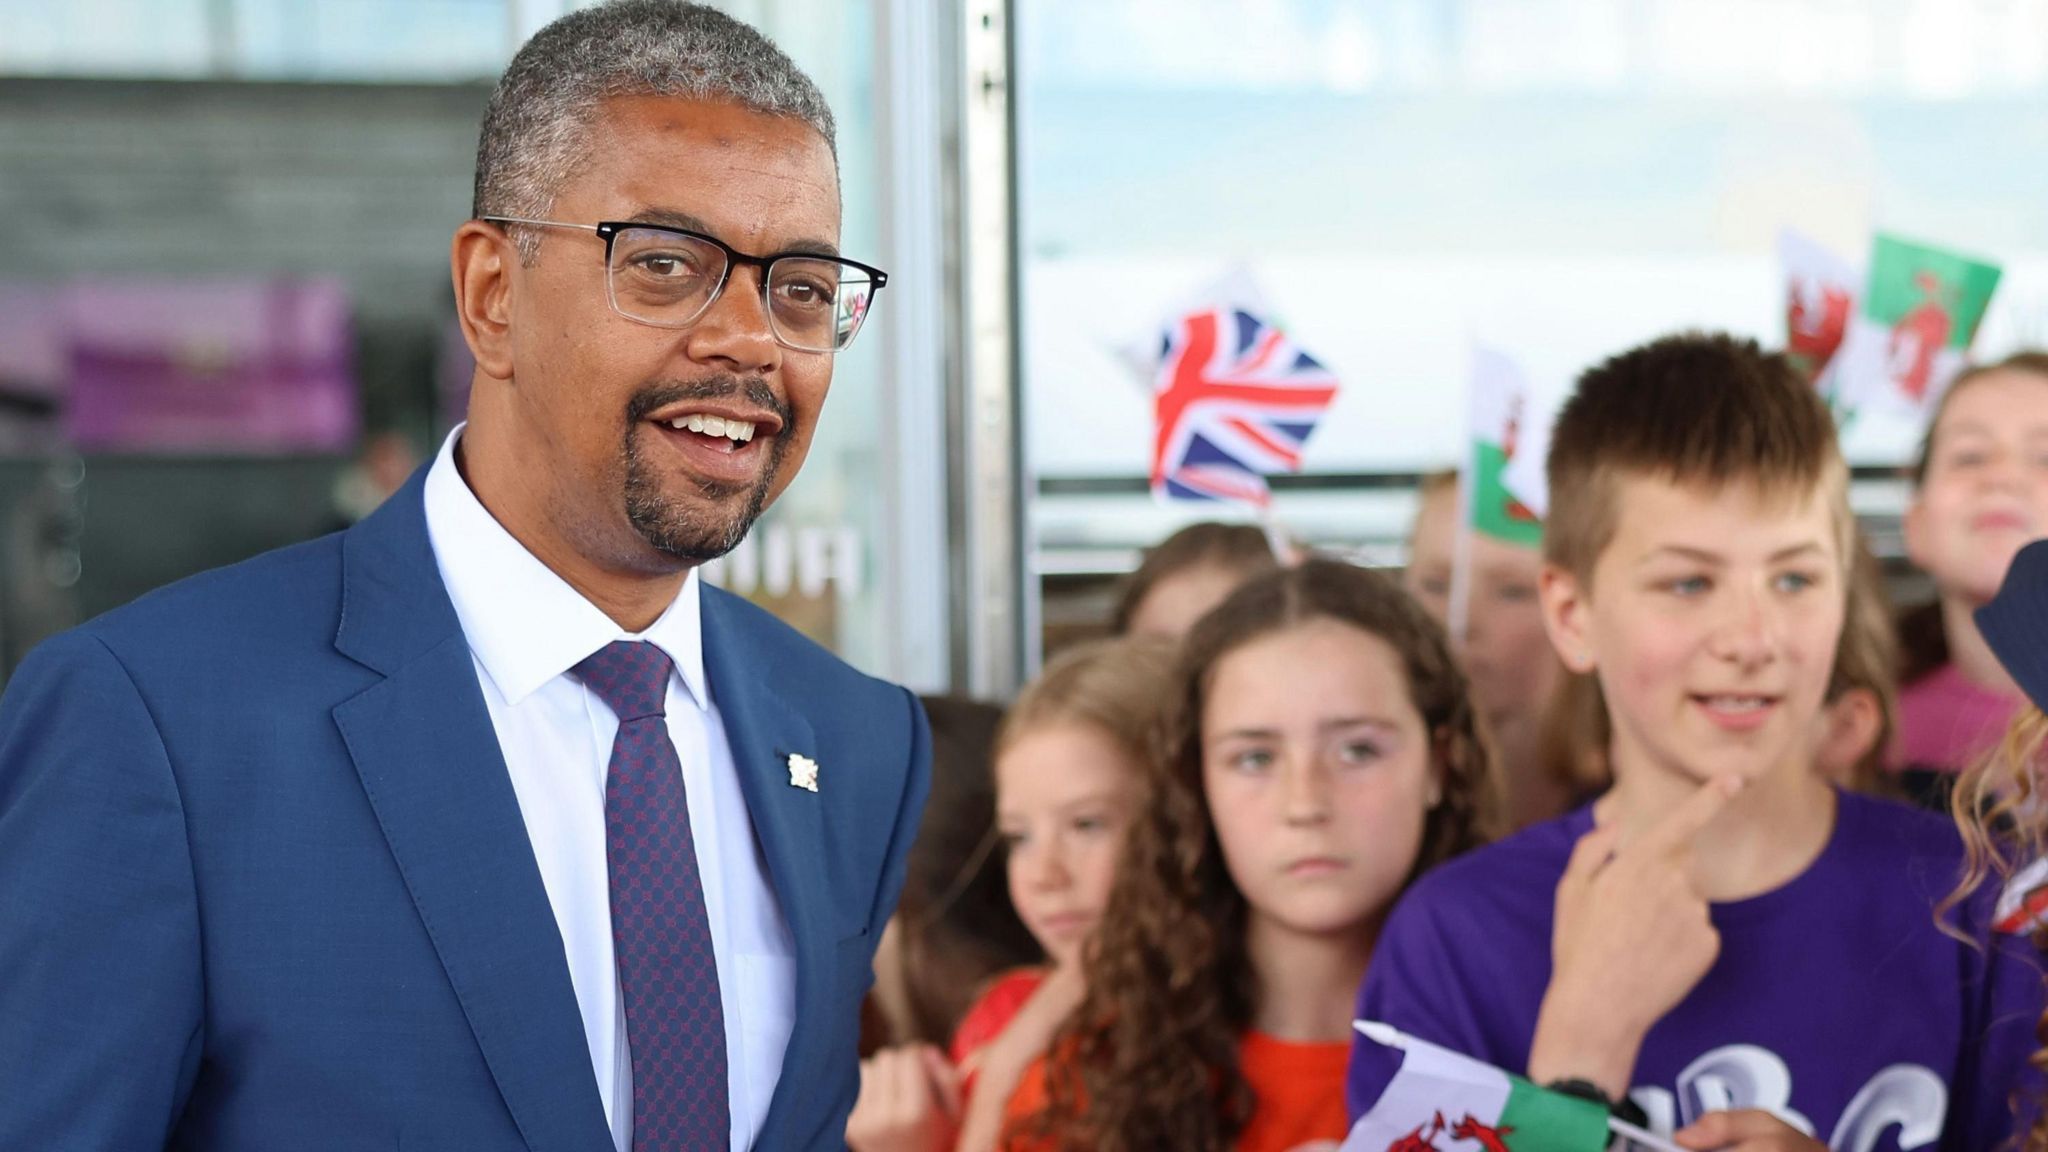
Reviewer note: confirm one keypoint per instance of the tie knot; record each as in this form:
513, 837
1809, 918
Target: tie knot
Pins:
630, 676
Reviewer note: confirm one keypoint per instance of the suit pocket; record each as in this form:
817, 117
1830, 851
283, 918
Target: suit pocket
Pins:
854, 965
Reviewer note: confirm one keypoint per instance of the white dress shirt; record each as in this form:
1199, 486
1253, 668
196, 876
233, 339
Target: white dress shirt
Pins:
526, 629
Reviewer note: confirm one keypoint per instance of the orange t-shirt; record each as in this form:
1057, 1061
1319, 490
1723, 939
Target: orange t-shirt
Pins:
993, 1012
1297, 1089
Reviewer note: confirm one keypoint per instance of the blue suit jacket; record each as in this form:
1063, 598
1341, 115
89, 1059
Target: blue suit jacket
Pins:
264, 883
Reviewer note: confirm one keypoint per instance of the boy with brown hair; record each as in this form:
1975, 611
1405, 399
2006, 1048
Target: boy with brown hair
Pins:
1723, 942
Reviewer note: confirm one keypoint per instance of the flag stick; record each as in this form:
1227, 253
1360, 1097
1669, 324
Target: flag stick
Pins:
1277, 538
1460, 613
1640, 1138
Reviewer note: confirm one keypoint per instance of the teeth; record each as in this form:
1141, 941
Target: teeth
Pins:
1736, 703
738, 431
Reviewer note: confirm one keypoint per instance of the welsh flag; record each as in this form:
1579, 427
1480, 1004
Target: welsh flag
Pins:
1440, 1099
1921, 308
1443, 1101
1820, 295
1497, 476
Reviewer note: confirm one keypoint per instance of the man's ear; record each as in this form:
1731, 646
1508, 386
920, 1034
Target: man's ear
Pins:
484, 265
1565, 604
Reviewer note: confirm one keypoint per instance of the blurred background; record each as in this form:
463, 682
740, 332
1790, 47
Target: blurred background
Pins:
225, 320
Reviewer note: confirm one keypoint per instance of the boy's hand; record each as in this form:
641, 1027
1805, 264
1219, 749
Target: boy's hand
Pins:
1632, 938
909, 1102
1749, 1130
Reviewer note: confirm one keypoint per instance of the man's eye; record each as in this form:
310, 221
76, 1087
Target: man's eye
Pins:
805, 293
665, 265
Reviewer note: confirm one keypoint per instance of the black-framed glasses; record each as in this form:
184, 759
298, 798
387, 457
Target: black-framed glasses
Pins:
668, 278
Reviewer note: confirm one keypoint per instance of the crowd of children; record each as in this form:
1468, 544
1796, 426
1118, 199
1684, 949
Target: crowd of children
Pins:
1639, 833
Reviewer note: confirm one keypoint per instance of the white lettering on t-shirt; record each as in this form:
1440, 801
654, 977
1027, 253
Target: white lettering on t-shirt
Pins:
1906, 1097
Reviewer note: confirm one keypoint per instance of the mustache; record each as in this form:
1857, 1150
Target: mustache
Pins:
722, 386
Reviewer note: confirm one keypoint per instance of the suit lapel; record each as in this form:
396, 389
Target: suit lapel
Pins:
429, 760
764, 730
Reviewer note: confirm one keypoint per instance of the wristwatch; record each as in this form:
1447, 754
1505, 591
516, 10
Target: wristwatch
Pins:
1625, 1110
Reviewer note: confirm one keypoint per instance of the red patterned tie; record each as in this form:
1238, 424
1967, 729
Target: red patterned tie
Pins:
668, 976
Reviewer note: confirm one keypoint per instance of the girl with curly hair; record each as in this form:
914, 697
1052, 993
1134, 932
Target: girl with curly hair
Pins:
1323, 756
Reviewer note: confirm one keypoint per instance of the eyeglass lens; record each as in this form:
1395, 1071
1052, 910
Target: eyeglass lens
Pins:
668, 280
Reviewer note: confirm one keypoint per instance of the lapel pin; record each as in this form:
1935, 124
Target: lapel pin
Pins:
803, 772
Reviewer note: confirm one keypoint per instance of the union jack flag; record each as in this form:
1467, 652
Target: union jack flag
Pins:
1234, 401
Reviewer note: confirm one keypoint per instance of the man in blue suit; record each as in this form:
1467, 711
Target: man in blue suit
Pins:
483, 825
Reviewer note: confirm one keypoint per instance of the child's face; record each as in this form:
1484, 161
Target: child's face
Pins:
1985, 494
1711, 621
1504, 651
1318, 771
1062, 807
1173, 605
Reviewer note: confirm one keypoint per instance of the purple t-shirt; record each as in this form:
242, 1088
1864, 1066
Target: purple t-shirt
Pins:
1835, 1000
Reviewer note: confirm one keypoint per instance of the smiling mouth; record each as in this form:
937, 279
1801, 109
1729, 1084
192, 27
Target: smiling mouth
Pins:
722, 451
733, 432
1737, 711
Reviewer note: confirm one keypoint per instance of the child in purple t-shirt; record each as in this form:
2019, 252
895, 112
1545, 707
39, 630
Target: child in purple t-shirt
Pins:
1723, 939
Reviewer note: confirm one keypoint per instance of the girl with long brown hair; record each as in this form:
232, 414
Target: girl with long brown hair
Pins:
1324, 754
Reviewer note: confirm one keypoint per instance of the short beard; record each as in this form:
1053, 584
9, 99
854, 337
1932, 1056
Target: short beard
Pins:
666, 526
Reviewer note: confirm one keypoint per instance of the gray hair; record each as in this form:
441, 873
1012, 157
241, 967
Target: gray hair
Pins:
535, 130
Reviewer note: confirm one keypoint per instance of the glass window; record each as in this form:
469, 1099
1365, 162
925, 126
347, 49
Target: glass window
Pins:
371, 39
1557, 178
106, 38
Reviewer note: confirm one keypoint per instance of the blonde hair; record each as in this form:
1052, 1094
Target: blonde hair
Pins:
1124, 687
1999, 809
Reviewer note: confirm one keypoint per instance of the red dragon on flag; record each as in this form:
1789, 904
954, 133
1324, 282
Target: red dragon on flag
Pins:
1424, 1138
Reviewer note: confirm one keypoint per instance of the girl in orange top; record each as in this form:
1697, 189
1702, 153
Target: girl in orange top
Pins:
1068, 773
1325, 754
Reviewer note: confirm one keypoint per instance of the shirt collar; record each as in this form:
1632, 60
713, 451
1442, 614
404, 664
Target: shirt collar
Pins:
525, 624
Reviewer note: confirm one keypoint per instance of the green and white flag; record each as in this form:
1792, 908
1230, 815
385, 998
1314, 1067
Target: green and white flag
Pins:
1505, 415
1920, 310
1444, 1101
